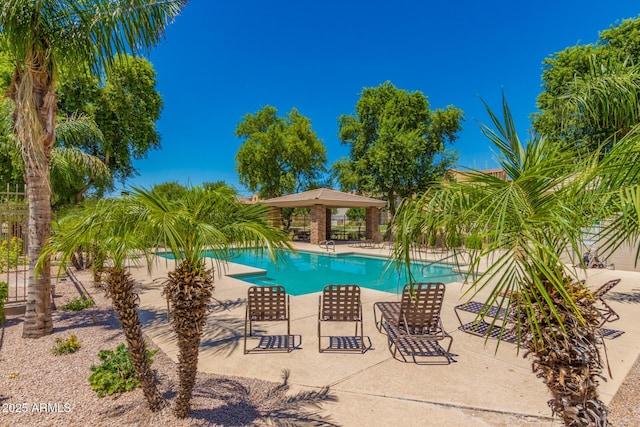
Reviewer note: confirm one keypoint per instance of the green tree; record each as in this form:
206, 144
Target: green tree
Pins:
68, 165
576, 77
279, 155
10, 170
169, 190
357, 215
42, 37
220, 186
528, 223
125, 107
397, 143
211, 221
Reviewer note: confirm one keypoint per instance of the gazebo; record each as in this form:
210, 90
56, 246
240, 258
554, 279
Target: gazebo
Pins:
321, 201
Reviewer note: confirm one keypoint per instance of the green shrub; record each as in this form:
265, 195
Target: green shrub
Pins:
67, 346
4, 294
10, 253
455, 241
473, 241
116, 374
80, 303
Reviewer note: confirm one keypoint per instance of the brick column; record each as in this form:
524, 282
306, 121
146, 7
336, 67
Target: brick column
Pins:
327, 232
274, 217
371, 222
318, 224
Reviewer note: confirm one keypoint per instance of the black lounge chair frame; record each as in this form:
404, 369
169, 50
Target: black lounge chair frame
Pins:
413, 325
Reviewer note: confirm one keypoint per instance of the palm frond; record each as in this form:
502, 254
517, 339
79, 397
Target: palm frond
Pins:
87, 33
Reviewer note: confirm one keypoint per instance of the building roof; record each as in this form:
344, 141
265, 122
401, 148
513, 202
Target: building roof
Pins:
323, 196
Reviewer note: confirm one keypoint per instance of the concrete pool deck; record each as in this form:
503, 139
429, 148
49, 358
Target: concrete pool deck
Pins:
484, 386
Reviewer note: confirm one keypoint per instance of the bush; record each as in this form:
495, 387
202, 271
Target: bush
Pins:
67, 346
455, 241
10, 252
473, 242
80, 303
4, 294
116, 374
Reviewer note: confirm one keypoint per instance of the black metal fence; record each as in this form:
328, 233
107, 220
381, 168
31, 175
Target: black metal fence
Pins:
14, 265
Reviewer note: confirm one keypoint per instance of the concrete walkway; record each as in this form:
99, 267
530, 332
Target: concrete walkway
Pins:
484, 386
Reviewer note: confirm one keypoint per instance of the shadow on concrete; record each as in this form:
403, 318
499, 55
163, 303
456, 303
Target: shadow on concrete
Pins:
624, 297
345, 344
275, 343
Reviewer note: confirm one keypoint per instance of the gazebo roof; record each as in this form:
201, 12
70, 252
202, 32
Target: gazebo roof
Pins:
323, 196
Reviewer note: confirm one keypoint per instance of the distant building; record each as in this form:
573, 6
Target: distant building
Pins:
460, 175
249, 200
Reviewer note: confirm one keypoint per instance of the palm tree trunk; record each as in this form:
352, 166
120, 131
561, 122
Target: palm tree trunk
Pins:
569, 361
37, 318
32, 91
189, 289
125, 302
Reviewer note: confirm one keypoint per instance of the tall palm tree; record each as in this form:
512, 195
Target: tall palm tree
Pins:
42, 36
202, 222
109, 228
529, 224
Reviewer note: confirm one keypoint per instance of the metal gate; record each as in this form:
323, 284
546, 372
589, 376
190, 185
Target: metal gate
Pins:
14, 265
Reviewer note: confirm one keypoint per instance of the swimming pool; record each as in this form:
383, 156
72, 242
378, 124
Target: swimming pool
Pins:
307, 272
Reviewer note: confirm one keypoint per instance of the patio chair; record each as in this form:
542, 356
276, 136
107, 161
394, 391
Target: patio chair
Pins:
607, 313
488, 322
413, 325
268, 304
377, 242
341, 303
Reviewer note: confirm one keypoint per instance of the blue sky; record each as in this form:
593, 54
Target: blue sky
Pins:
223, 59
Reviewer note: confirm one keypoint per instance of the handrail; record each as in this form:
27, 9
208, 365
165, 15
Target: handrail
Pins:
455, 254
326, 244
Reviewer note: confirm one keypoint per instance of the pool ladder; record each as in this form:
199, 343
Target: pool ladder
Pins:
328, 245
455, 255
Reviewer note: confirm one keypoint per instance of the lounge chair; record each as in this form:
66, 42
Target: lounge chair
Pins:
413, 325
377, 242
341, 303
607, 313
488, 322
268, 304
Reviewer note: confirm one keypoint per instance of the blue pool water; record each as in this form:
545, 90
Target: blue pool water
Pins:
307, 272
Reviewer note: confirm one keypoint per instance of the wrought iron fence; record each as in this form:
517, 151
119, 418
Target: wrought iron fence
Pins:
14, 265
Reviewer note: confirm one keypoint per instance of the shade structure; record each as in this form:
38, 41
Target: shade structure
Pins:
324, 197
321, 201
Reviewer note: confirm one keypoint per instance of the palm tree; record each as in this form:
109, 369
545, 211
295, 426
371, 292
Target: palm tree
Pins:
202, 222
597, 109
109, 228
529, 224
41, 37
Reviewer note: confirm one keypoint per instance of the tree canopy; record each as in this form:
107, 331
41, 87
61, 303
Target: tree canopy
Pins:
125, 106
10, 170
280, 155
397, 143
581, 81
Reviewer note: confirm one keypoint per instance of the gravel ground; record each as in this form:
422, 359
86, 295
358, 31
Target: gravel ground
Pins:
625, 405
38, 388
50, 390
